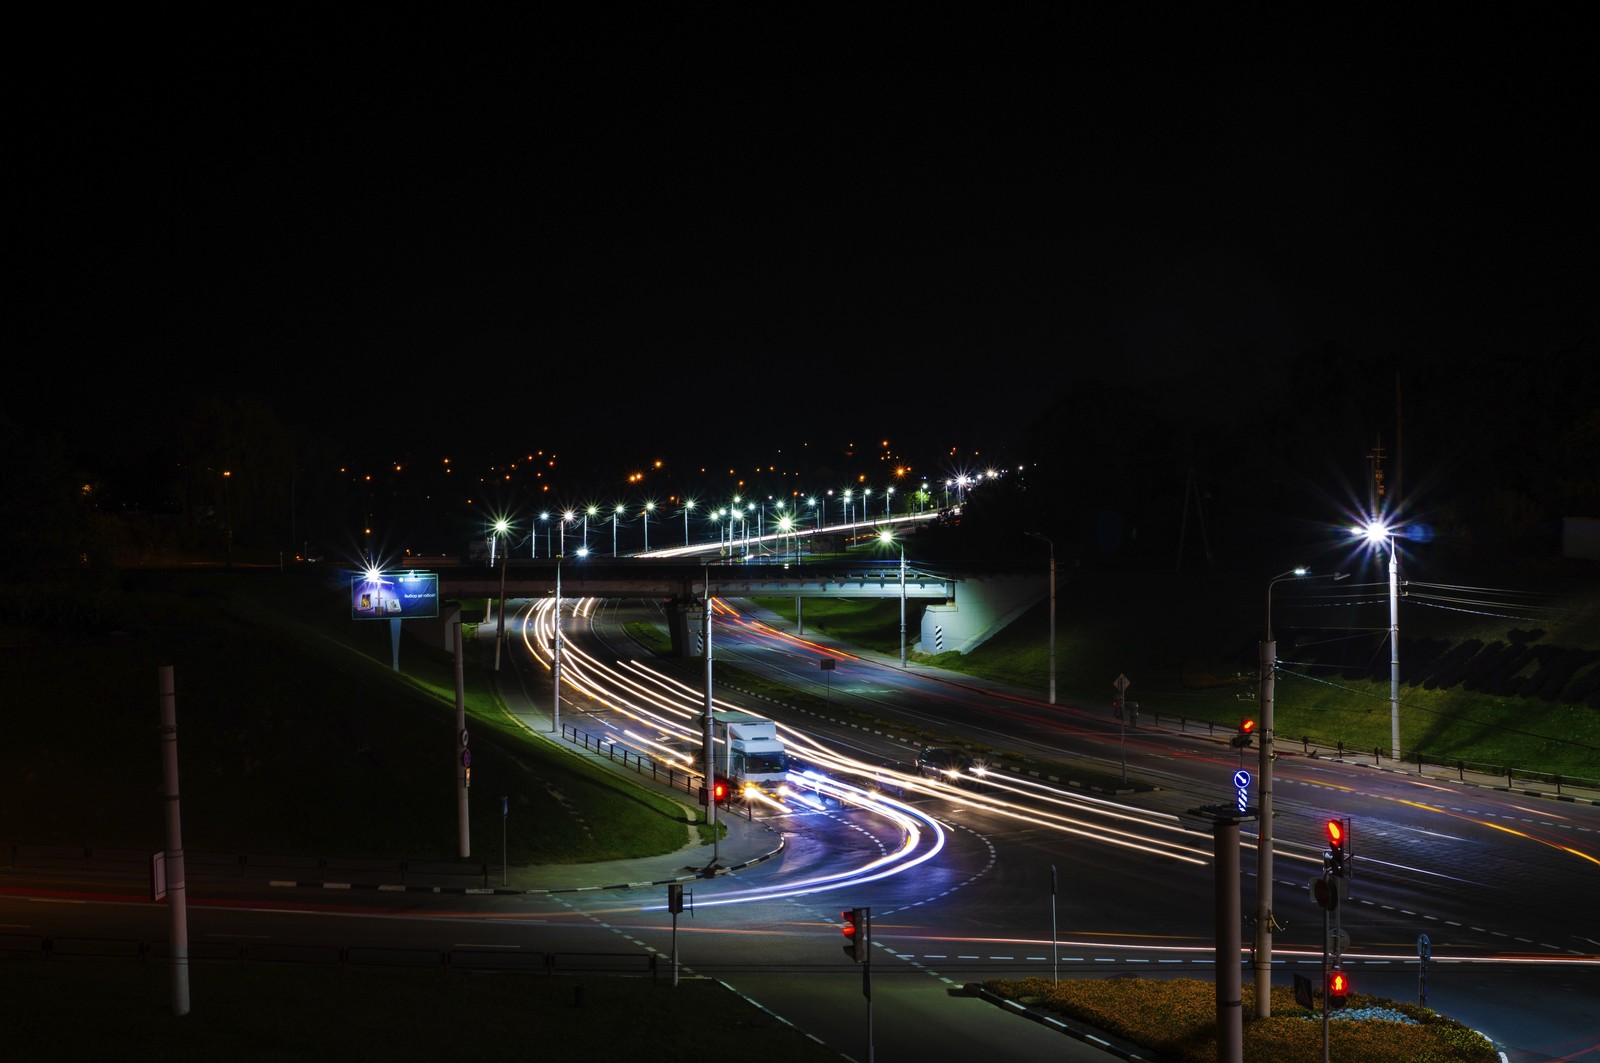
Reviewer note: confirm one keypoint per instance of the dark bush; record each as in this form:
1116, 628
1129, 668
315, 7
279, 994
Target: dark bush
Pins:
1449, 668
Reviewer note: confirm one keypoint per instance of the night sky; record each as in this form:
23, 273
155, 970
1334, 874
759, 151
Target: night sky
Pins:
741, 230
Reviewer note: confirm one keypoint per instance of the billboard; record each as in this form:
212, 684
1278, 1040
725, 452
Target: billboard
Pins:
394, 596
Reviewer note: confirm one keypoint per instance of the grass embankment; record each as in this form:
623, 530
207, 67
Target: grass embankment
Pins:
1178, 1018
1190, 652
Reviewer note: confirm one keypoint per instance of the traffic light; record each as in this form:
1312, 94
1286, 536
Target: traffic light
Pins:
1336, 853
1338, 989
719, 791
1247, 731
857, 932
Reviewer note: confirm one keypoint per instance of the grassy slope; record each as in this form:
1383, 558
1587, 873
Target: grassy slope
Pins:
1189, 646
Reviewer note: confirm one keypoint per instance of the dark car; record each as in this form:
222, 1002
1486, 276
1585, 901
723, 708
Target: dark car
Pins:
941, 762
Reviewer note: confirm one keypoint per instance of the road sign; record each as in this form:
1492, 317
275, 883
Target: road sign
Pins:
1121, 683
1241, 779
1424, 948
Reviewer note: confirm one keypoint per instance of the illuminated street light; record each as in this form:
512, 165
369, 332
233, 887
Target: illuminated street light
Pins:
1268, 681
590, 512
649, 507
887, 538
687, 507
566, 518
888, 496
555, 712
501, 529
1380, 535
786, 528
614, 515
812, 502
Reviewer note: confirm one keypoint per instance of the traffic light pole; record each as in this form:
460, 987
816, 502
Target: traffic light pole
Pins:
711, 755
1326, 929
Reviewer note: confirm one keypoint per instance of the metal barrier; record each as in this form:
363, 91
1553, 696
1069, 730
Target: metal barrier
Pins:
1315, 747
669, 775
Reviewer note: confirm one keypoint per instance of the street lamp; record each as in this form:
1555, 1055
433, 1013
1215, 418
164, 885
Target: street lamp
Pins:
786, 529
566, 518
501, 528
812, 502
645, 513
688, 505
590, 512
888, 497
887, 538
555, 712
227, 513
1052, 545
614, 515
544, 515
1268, 680
1380, 535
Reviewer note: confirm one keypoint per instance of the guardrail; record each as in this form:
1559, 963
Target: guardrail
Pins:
1419, 760
669, 775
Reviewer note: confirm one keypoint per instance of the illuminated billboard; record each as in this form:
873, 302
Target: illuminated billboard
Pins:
394, 595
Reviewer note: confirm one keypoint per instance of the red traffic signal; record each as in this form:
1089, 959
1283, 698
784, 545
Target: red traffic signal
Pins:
1247, 731
1336, 848
719, 791
857, 931
1338, 989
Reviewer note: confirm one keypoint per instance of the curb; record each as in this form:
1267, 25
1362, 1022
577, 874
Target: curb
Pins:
517, 892
1091, 1039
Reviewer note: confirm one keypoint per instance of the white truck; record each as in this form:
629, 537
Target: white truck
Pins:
753, 756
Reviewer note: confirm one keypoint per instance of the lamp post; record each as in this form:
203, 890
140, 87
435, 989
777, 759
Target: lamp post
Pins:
615, 513
786, 529
566, 518
888, 539
227, 512
812, 502
1381, 535
1052, 545
500, 530
555, 711
587, 513
888, 497
1269, 667
688, 505
645, 514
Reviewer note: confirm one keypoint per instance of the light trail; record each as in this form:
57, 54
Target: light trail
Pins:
637, 691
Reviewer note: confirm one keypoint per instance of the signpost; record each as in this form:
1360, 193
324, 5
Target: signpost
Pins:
1424, 953
1121, 684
